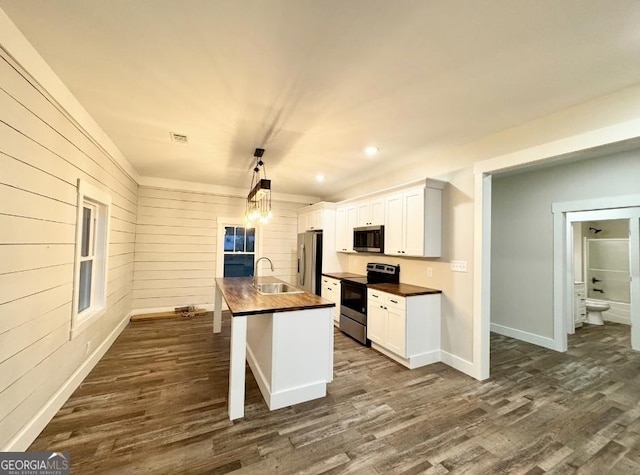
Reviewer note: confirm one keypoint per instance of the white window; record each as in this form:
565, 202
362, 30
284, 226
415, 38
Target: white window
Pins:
239, 251
90, 276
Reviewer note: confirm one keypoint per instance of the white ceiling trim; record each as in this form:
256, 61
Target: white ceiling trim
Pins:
629, 130
220, 190
21, 50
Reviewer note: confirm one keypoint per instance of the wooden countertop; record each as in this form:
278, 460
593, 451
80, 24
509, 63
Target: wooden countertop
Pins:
243, 299
341, 275
404, 290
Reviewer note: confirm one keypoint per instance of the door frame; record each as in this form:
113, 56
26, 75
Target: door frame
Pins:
564, 215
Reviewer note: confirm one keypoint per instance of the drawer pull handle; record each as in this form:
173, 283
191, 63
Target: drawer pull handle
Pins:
394, 301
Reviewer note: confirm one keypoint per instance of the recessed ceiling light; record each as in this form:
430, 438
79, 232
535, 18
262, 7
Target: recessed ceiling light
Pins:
370, 151
319, 178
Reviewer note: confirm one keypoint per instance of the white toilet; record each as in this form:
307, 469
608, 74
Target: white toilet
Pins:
594, 311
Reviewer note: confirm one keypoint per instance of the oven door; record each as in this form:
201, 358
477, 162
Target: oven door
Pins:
353, 301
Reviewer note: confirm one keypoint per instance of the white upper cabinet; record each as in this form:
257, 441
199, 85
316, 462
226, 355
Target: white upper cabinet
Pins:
371, 212
311, 218
413, 223
346, 220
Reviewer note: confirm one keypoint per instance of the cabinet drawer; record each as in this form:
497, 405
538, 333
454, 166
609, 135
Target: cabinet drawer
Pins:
396, 302
385, 299
376, 296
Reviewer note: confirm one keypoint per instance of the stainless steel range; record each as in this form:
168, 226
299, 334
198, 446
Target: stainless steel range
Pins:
353, 299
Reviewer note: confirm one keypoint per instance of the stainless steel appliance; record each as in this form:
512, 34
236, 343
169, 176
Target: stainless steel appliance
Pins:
368, 239
310, 261
353, 301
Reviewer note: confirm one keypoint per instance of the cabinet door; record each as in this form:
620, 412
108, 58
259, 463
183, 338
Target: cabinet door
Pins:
315, 220
364, 213
376, 213
393, 225
396, 331
376, 323
413, 217
341, 229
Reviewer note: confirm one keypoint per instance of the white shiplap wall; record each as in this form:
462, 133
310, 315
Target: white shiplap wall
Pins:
42, 155
177, 245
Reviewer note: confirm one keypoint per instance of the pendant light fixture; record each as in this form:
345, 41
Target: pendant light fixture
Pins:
258, 206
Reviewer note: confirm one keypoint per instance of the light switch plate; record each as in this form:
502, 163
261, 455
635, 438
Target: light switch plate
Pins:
429, 271
459, 266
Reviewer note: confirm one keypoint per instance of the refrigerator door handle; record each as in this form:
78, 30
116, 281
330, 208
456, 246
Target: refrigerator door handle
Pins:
304, 263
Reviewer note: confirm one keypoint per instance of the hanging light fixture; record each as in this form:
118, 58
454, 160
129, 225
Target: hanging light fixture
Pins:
258, 206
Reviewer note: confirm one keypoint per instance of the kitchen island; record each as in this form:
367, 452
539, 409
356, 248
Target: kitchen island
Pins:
286, 338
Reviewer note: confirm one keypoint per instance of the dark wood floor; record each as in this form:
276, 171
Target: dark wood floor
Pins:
156, 403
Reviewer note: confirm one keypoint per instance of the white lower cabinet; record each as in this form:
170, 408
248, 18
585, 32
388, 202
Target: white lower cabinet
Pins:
407, 329
331, 291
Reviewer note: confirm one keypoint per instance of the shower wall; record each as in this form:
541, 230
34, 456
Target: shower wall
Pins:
606, 266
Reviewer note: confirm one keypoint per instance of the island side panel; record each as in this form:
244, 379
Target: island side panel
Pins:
260, 352
237, 366
302, 356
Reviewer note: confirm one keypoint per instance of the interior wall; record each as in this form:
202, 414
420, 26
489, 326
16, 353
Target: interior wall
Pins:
522, 233
177, 245
457, 287
42, 155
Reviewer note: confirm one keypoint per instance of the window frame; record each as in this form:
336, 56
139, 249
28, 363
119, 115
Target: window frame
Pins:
99, 201
223, 222
239, 253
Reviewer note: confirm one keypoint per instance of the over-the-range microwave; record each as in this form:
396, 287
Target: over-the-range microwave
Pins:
368, 239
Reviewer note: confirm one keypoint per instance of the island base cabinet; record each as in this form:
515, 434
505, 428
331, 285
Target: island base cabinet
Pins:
406, 329
291, 355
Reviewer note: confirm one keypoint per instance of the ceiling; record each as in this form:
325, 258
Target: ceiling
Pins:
315, 82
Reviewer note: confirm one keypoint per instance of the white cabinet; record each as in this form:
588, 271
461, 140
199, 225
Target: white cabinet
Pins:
579, 304
370, 212
310, 220
331, 289
346, 220
406, 329
413, 224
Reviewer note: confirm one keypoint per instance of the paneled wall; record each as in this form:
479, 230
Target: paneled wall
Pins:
177, 245
42, 155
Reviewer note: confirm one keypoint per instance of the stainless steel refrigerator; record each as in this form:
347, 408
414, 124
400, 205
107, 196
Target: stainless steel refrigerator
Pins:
310, 262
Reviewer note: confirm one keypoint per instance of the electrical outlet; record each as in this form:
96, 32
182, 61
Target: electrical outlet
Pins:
429, 271
87, 349
459, 266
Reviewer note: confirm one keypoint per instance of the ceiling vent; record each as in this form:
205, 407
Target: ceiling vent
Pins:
180, 138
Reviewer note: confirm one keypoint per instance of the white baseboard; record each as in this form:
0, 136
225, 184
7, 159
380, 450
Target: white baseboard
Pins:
543, 341
435, 356
464, 366
424, 359
616, 319
142, 311
32, 429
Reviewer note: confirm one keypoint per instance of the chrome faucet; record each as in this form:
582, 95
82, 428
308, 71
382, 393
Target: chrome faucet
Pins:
255, 273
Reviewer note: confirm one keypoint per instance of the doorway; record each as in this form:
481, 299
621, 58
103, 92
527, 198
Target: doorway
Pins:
567, 216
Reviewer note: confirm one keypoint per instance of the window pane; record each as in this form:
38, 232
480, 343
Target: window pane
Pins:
251, 240
238, 265
84, 289
86, 231
239, 239
228, 239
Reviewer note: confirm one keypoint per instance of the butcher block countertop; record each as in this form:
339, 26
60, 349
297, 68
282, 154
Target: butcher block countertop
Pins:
243, 299
404, 290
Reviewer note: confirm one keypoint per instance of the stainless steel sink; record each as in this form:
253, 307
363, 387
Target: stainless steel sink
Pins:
277, 288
